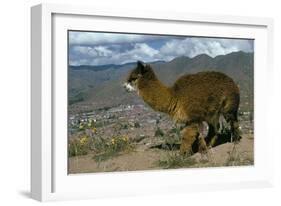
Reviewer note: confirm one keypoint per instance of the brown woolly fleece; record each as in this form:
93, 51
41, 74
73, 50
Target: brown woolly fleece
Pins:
192, 99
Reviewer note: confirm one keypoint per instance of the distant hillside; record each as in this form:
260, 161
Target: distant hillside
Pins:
99, 67
93, 87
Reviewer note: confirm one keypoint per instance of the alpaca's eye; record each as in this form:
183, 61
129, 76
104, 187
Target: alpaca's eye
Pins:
132, 79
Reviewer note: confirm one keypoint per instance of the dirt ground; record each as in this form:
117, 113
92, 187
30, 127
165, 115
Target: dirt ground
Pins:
147, 157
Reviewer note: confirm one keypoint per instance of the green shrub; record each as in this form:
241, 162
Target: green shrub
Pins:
158, 132
79, 146
137, 125
175, 160
105, 149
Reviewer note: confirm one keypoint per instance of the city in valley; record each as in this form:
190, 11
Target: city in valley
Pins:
154, 138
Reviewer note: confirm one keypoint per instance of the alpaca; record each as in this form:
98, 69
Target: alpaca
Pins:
192, 100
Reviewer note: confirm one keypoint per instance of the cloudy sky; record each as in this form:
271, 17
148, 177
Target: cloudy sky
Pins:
96, 48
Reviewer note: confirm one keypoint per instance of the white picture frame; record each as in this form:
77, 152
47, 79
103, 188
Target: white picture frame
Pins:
49, 178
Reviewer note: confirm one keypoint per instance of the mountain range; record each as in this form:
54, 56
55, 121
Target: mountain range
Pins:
97, 87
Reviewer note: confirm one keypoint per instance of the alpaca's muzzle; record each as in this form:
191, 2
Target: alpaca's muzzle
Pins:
129, 87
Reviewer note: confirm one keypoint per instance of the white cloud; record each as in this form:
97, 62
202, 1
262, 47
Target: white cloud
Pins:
212, 46
99, 55
95, 38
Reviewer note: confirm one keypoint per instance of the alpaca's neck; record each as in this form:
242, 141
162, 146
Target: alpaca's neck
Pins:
156, 95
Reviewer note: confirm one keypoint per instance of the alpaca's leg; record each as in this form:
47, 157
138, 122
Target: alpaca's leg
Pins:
213, 136
189, 135
222, 123
230, 112
214, 125
203, 133
202, 145
213, 141
235, 131
234, 125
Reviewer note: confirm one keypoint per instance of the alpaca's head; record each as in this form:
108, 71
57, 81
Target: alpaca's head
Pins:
142, 73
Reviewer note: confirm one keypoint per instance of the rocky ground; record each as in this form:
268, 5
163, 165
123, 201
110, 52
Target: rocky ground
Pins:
150, 154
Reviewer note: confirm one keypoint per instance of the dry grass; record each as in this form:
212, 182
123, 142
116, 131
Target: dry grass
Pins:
106, 149
175, 160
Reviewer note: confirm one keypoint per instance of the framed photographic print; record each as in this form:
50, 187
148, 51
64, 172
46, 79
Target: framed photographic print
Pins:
136, 102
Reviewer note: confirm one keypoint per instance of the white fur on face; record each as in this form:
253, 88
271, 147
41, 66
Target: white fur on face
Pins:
129, 87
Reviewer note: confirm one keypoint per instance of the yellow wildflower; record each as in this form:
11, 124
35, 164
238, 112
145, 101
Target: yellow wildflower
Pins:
81, 125
94, 130
90, 124
83, 140
125, 138
113, 141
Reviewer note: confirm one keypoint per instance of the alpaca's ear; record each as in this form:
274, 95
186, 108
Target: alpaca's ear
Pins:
142, 67
140, 64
